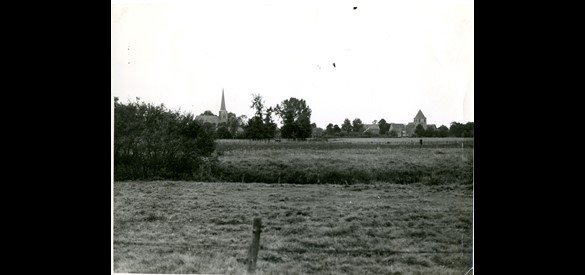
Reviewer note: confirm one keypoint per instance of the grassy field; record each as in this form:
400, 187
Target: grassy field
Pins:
344, 162
389, 141
407, 141
193, 227
389, 207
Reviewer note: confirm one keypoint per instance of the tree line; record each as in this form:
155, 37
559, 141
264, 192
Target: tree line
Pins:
356, 128
295, 120
295, 116
151, 141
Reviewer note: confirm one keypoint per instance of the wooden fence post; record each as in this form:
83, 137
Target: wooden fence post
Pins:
253, 251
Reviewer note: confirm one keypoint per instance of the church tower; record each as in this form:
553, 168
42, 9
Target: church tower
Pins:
420, 119
223, 114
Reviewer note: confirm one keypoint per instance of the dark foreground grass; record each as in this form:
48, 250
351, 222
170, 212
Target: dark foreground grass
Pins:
191, 227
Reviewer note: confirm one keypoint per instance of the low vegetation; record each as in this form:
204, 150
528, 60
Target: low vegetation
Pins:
194, 227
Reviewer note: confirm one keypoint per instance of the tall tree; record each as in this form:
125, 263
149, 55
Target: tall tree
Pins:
257, 104
357, 125
269, 125
419, 131
384, 126
456, 129
261, 125
461, 130
254, 128
232, 124
295, 116
336, 129
242, 120
329, 129
346, 126
443, 131
430, 132
468, 132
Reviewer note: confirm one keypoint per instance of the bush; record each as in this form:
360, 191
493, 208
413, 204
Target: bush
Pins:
151, 142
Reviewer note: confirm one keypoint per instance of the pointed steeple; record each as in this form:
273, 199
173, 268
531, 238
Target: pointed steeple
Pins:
223, 114
419, 115
222, 101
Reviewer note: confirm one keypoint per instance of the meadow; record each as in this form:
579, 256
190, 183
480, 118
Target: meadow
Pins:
363, 206
194, 227
373, 140
347, 161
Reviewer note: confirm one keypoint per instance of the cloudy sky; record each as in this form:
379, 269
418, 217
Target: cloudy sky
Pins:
391, 57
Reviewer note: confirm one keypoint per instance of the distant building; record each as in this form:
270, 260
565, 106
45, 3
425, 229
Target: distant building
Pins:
223, 114
420, 119
209, 119
372, 128
408, 129
399, 128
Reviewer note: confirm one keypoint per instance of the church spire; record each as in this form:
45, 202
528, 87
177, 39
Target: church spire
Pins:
222, 101
223, 114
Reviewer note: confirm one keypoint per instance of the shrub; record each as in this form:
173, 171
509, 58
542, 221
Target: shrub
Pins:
151, 142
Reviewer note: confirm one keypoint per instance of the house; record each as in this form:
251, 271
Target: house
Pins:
398, 128
208, 119
410, 127
372, 129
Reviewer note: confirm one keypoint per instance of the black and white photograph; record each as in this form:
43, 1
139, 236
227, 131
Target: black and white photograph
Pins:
292, 137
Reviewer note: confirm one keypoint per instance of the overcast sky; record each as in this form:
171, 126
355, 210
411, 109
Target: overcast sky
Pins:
391, 58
